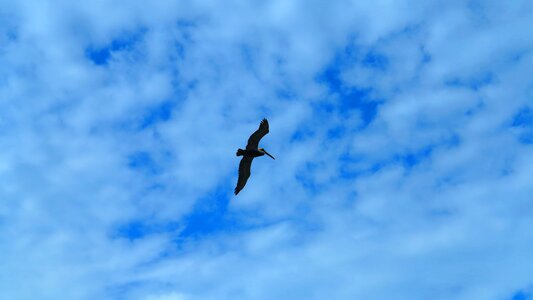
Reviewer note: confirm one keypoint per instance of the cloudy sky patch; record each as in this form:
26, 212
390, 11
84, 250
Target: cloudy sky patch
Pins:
402, 133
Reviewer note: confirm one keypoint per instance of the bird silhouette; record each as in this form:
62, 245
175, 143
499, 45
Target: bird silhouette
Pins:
250, 153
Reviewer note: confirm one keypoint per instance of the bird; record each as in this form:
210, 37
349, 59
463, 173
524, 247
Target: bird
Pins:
252, 150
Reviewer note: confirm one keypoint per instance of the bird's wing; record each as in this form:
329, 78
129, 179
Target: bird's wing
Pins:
253, 141
244, 173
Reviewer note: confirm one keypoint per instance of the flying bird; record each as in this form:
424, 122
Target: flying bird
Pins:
248, 155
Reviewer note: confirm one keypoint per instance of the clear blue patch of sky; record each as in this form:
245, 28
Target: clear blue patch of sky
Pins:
412, 159
143, 161
8, 26
519, 54
101, 55
526, 137
408, 159
351, 97
186, 27
375, 60
186, 37
336, 132
474, 83
130, 289
247, 55
301, 134
138, 229
347, 162
11, 35
210, 215
426, 57
521, 295
132, 231
523, 120
285, 94
159, 113
305, 177
349, 168
122, 291
149, 116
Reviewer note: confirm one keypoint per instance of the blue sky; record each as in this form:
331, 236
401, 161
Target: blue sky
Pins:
402, 131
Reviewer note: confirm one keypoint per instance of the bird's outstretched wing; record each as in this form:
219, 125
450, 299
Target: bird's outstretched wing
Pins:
244, 173
253, 141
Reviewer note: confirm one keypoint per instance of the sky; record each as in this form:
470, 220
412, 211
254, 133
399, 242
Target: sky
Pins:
402, 132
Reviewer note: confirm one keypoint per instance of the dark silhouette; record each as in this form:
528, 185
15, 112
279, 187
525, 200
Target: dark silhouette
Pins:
251, 151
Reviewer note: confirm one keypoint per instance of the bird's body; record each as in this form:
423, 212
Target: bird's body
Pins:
249, 153
252, 150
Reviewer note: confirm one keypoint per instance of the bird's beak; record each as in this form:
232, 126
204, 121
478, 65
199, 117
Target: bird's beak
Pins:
269, 154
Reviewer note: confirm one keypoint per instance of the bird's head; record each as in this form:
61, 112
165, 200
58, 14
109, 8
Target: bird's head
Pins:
264, 151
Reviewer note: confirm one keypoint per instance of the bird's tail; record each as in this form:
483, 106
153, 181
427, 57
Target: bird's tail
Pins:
240, 152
